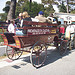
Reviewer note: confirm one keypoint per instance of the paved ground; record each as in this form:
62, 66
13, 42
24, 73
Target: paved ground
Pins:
54, 65
2, 50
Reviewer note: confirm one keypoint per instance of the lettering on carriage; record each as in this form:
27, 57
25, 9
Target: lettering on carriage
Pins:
53, 31
38, 31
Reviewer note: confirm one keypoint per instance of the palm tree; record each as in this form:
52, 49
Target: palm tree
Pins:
11, 13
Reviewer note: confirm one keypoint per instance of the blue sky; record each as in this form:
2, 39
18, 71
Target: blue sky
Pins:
2, 4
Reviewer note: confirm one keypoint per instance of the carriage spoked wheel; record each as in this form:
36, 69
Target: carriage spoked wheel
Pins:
73, 43
63, 47
38, 54
13, 53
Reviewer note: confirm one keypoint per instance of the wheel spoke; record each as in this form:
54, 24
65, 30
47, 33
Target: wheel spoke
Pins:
13, 53
38, 59
63, 47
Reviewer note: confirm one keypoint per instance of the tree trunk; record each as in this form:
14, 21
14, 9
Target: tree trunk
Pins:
11, 13
67, 6
30, 4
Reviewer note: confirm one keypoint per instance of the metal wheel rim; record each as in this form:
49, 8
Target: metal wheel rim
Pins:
62, 49
40, 56
12, 53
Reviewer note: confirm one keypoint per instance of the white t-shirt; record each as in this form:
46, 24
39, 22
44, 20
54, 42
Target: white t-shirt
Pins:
35, 20
70, 28
11, 28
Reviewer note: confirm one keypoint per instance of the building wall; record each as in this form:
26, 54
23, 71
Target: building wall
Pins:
67, 17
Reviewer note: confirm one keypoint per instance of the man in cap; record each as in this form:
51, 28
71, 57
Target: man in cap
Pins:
40, 17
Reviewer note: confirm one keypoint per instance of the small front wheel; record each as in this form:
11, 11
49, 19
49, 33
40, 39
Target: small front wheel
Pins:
13, 53
63, 47
38, 54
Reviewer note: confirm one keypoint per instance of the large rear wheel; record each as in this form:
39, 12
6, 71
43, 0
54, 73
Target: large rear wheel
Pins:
38, 54
73, 43
63, 47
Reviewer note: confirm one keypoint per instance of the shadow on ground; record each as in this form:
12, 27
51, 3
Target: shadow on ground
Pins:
52, 56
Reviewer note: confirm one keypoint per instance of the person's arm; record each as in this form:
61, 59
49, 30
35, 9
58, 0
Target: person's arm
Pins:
21, 23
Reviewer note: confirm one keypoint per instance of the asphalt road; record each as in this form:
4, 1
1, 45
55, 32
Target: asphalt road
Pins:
54, 65
2, 50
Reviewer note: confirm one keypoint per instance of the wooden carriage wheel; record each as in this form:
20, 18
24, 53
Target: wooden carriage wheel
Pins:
71, 43
63, 47
13, 53
38, 54
74, 42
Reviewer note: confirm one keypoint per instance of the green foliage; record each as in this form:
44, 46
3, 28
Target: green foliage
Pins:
24, 5
7, 7
73, 11
3, 16
72, 2
62, 8
35, 8
8, 2
6, 10
48, 1
48, 10
1, 40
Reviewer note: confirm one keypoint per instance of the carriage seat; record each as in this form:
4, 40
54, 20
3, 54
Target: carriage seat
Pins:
9, 37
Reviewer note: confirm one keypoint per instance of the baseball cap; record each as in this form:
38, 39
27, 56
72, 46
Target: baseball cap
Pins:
41, 13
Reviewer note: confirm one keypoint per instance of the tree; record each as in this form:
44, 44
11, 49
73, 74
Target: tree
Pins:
3, 16
7, 7
25, 6
11, 13
62, 7
19, 6
69, 2
49, 10
73, 11
49, 1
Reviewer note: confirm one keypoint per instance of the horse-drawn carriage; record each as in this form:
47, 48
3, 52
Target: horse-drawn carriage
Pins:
35, 41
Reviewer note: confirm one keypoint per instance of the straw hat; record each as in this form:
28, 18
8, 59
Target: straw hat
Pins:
25, 14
